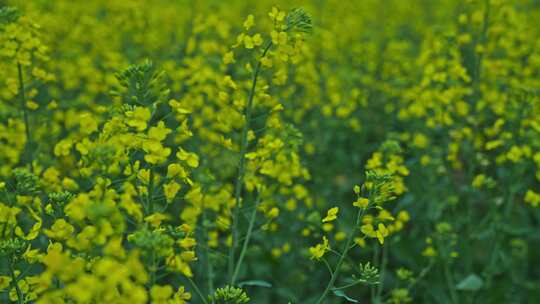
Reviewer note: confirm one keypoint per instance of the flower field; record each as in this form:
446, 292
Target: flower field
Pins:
302, 152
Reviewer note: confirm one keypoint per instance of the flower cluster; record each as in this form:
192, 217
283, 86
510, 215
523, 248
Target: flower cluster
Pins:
205, 152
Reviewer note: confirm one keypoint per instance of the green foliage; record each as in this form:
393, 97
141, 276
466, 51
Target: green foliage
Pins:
144, 84
9, 14
299, 20
26, 183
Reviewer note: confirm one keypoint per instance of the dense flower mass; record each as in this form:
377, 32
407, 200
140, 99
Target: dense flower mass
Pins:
262, 152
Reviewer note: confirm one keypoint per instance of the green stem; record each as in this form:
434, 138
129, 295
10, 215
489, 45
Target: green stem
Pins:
422, 274
242, 164
384, 262
327, 266
450, 283
209, 266
483, 39
5, 224
498, 238
15, 283
153, 270
197, 290
346, 249
372, 288
151, 192
246, 240
22, 97
348, 285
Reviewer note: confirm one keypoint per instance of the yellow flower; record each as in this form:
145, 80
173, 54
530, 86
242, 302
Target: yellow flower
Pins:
55, 260
170, 190
266, 62
327, 227
361, 202
158, 132
248, 42
276, 14
32, 105
175, 263
138, 118
4, 282
478, 181
403, 216
185, 228
156, 219
188, 256
340, 236
273, 213
187, 242
318, 251
190, 158
385, 215
279, 38
156, 153
228, 58
380, 233
63, 147
360, 242
176, 170
88, 123
60, 230
331, 214
429, 252
420, 140
177, 106
257, 39
515, 154
532, 198
161, 294
249, 22
181, 296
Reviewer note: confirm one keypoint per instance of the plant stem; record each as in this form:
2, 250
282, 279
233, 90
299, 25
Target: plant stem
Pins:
327, 266
242, 164
209, 266
246, 240
153, 270
482, 40
151, 192
22, 97
450, 283
375, 262
422, 274
382, 271
348, 285
197, 290
346, 249
15, 283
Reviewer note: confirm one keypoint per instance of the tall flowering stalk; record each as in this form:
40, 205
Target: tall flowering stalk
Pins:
241, 171
297, 21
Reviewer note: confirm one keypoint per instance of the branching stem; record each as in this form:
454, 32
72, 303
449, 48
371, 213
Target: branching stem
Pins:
346, 249
242, 165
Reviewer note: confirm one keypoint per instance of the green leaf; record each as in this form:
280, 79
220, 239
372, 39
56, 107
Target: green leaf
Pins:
341, 294
516, 230
9, 14
259, 283
471, 283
